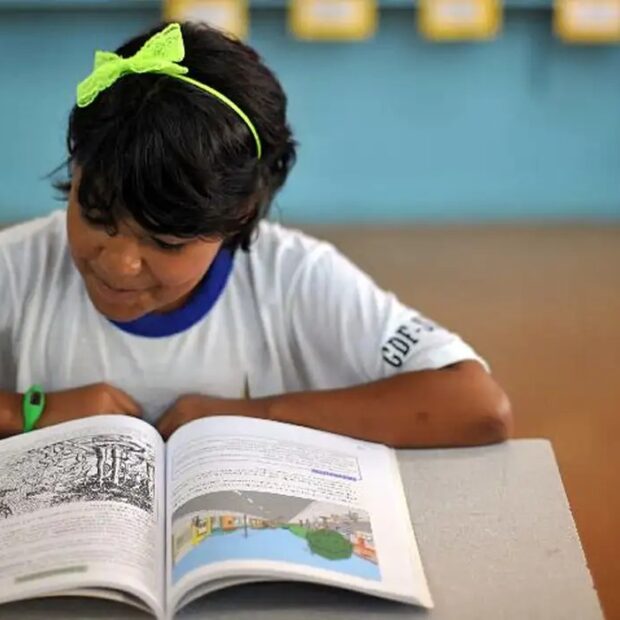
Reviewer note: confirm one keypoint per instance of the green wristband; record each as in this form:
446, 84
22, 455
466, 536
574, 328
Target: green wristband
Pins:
32, 407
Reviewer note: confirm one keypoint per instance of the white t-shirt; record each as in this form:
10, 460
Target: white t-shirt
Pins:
295, 315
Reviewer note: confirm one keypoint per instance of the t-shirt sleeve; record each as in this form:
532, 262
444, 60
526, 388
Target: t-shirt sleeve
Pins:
348, 330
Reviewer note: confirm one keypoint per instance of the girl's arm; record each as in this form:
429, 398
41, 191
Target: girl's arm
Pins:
10, 414
455, 406
81, 402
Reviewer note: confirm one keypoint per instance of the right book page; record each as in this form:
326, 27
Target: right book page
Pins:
254, 499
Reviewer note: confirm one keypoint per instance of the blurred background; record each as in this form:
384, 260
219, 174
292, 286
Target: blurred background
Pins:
466, 153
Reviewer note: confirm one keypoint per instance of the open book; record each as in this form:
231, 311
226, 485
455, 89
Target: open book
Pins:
103, 507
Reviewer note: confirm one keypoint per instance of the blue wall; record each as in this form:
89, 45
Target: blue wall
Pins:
391, 129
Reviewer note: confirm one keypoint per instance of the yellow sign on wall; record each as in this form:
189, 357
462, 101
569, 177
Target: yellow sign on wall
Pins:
587, 21
453, 20
230, 16
313, 20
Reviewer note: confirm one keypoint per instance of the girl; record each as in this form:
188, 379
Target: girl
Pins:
162, 291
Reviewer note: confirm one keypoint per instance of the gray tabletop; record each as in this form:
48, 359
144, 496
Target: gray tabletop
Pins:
496, 537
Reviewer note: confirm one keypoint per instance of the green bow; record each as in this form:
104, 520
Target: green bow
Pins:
160, 54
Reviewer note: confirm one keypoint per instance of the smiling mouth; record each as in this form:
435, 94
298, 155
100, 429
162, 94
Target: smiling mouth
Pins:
121, 290
113, 293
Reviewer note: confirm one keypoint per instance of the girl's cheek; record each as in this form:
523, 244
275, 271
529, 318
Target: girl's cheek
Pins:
179, 270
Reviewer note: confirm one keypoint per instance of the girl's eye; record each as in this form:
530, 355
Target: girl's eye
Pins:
96, 220
169, 247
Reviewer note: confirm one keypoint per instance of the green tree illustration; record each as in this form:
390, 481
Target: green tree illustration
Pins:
329, 544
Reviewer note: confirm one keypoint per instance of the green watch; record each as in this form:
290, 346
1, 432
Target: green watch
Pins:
32, 407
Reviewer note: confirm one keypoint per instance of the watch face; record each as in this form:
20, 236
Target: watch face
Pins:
35, 398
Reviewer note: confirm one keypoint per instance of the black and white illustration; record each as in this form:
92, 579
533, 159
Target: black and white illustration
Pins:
111, 467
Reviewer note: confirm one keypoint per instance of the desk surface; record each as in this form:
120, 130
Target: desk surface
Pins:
496, 537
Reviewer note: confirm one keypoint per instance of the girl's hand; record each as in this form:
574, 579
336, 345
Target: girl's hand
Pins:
89, 400
194, 406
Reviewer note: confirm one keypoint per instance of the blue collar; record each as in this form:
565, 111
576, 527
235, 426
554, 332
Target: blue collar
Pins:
202, 300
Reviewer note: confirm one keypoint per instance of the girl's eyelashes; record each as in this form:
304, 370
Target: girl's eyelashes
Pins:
168, 247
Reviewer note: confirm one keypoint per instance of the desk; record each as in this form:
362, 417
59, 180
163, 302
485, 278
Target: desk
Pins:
496, 537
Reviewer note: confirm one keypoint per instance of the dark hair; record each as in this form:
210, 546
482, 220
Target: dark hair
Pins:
176, 159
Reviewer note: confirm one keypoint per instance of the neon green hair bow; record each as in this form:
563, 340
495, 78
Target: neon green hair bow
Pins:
160, 54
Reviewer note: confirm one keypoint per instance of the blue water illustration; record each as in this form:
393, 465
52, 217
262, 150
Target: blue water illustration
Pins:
269, 544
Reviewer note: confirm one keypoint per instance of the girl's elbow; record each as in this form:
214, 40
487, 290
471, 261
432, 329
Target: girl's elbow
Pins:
489, 412
494, 420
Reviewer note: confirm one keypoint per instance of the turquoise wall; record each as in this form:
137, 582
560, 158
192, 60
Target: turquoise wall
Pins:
391, 129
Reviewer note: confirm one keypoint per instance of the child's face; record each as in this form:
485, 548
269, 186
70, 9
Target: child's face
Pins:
131, 274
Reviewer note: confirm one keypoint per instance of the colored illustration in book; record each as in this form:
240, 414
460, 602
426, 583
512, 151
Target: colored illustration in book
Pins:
249, 525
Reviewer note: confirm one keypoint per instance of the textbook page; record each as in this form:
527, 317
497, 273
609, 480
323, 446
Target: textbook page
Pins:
253, 498
82, 507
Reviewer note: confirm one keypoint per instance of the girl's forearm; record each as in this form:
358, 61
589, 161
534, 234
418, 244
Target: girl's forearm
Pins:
457, 406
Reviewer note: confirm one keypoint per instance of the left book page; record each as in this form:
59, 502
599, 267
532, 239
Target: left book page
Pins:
82, 512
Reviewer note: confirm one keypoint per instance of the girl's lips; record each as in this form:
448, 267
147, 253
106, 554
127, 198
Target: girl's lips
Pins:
114, 295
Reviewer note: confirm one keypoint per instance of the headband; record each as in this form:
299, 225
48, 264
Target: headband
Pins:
160, 54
